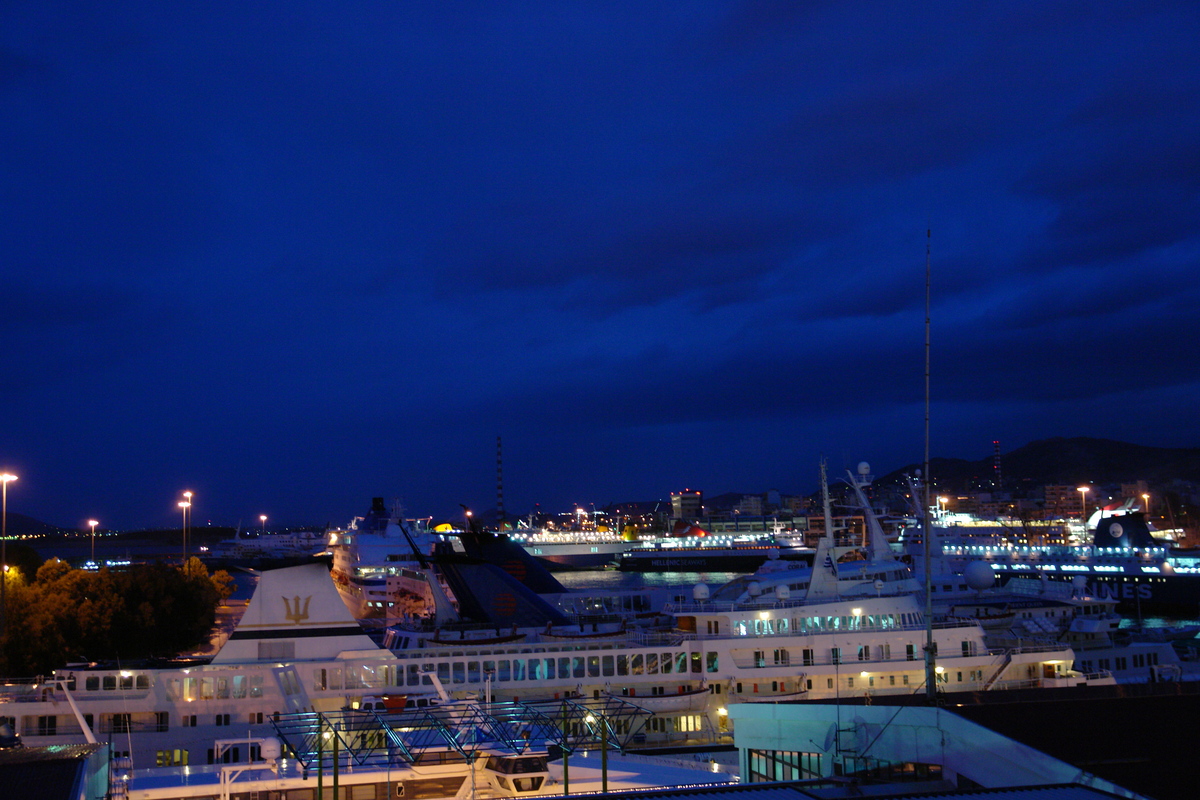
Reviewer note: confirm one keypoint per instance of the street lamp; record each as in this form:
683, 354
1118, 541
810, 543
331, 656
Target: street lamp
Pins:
185, 505
1083, 490
1146, 505
93, 523
5, 478
187, 516
263, 519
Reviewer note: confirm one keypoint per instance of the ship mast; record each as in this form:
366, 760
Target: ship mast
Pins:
930, 647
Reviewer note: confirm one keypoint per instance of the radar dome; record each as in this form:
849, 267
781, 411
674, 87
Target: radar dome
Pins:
864, 468
782, 592
700, 592
270, 749
754, 589
979, 575
1079, 582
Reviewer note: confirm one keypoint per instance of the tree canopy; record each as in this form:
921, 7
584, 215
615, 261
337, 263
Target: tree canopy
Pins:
66, 615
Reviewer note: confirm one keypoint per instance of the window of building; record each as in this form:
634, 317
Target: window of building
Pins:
779, 765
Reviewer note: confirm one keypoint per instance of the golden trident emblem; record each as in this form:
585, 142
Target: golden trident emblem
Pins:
299, 614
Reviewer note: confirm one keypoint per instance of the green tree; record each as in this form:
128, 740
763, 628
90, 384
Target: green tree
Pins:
24, 558
67, 614
32, 643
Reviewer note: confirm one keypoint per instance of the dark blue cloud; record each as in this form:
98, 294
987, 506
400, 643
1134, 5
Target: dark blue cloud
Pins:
293, 256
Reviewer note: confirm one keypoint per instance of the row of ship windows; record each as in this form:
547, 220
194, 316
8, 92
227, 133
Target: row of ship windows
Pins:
214, 688
477, 671
812, 625
125, 681
146, 722
154, 722
782, 657
366, 677
537, 669
1120, 662
187, 688
856, 682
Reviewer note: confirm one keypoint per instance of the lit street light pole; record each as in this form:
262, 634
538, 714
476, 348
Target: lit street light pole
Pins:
1083, 490
5, 478
185, 505
93, 523
263, 519
187, 526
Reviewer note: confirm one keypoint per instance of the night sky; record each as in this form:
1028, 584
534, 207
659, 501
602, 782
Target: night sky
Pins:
291, 256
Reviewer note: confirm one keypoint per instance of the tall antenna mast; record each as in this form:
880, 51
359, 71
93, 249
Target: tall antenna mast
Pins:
500, 516
997, 477
930, 647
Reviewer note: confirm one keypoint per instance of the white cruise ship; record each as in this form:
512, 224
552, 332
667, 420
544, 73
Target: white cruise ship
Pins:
380, 565
297, 650
848, 626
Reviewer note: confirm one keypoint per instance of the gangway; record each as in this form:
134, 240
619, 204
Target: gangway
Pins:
1000, 671
467, 728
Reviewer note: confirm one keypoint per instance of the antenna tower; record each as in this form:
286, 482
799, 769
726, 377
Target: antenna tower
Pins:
997, 480
499, 482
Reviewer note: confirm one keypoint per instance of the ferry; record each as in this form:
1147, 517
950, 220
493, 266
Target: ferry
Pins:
265, 550
711, 554
1123, 562
568, 550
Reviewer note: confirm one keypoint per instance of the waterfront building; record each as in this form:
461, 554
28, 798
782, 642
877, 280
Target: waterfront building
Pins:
687, 504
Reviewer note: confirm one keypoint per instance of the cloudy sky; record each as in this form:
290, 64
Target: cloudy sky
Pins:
291, 256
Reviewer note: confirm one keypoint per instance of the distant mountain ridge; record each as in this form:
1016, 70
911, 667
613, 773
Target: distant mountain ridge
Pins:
21, 525
1061, 461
